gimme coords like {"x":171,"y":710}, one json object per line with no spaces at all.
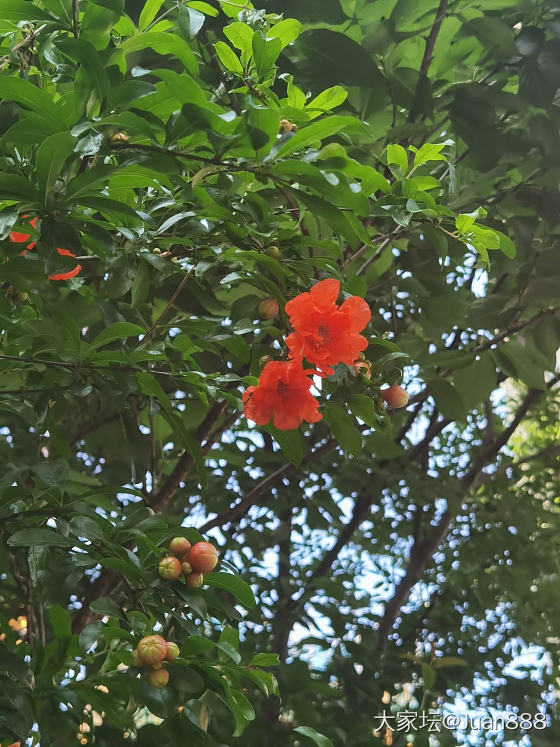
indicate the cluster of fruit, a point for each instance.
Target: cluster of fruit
{"x":152,"y":651}
{"x":191,"y":562}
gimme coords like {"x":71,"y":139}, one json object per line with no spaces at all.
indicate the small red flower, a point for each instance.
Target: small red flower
{"x":66,"y":275}
{"x":19,"y":238}
{"x":326,"y":334}
{"x":283,"y":395}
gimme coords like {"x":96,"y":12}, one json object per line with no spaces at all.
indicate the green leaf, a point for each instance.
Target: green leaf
{"x":116,"y":331}
{"x":263,"y":123}
{"x":343,"y":428}
{"x":162,"y":43}
{"x":396,"y":156}
{"x":506,"y":245}
{"x":265,"y":52}
{"x":241,"y":36}
{"x":494,"y":34}
{"x":141,"y":284}
{"x":228,"y":58}
{"x":105,"y":606}
{"x":448,"y":399}
{"x":430,"y":152}
{"x":50,"y":159}
{"x":60,"y":621}
{"x":476,"y":381}
{"x":31,"y":97}
{"x":241,"y":708}
{"x":315,"y":133}
{"x":286,"y":30}
{"x":14,"y":187}
{"x":190,"y":21}
{"x":327,"y":100}
{"x":363,"y":407}
{"x":90,"y":634}
{"x":332,"y":58}
{"x":290,"y":442}
{"x":13,"y":12}
{"x":39,"y":537}
{"x":235,"y":585}
{"x":319,"y":739}
{"x":265,"y":660}
{"x":87,"y":56}
{"x":149,"y":12}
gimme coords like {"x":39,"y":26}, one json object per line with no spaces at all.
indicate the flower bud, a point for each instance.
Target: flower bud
{"x":158,"y":678}
{"x":169,"y":568}
{"x":268,"y":309}
{"x":362,"y":367}
{"x":274,"y":252}
{"x":395,"y":396}
{"x":287,"y":126}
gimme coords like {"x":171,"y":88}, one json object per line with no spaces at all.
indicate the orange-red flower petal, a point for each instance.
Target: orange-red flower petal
{"x":282,"y":395}
{"x":19,"y":238}
{"x":326,"y":334}
{"x":66,"y":275}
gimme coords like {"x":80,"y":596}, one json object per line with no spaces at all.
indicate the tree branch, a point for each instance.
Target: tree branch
{"x":160,"y":499}
{"x":241,"y":509}
{"x":422,"y":552}
{"x":430,"y":44}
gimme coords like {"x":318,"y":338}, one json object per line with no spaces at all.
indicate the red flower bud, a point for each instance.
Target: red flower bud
{"x":203,"y":557}
{"x":395,"y":396}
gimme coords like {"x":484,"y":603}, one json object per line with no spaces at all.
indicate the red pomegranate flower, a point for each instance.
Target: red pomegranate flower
{"x":66,"y":275}
{"x":326,"y":334}
{"x":19,"y":238}
{"x":282,"y":394}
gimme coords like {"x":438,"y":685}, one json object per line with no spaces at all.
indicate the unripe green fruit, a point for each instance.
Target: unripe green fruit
{"x":152,"y":649}
{"x":274,"y":252}
{"x":395,"y":396}
{"x":169,"y":568}
{"x":194,"y":581}
{"x":268,"y":309}
{"x":158,"y":678}
{"x":203,"y":557}
{"x":186,"y":567}
{"x":136,"y":659}
{"x":179,"y":546}
{"x":21,"y":296}
{"x":172,"y":651}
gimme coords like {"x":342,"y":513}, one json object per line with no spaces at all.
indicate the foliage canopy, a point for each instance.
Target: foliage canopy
{"x":195,"y":159}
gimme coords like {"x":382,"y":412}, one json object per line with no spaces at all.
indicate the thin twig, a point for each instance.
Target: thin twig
{"x":168,"y":305}
{"x":75,"y":18}
{"x":430,"y":44}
